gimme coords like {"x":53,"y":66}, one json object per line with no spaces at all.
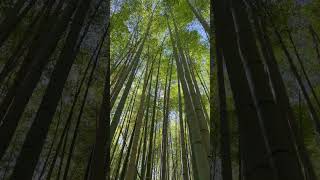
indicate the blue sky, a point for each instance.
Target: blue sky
{"x":196,"y":26}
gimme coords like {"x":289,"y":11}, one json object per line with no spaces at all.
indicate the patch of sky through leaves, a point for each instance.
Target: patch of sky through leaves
{"x":196,"y":26}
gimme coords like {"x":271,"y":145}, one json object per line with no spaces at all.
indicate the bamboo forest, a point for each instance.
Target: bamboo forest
{"x":160,"y":89}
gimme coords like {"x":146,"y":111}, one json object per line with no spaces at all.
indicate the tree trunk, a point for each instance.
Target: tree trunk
{"x":154,"y":112}
{"x":197,"y":141}
{"x":200,"y":114}
{"x":256,"y":166}
{"x":185,"y":173}
{"x":101,"y":153}
{"x":224,"y":122}
{"x":25,"y":90}
{"x":203,"y":22}
{"x":316,"y":41}
{"x":282,"y":98}
{"x":276,"y":128}
{"x":66,"y":128}
{"x":164,"y":159}
{"x":294,"y":70}
{"x":118,"y":112}
{"x":125,"y":164}
{"x":103,"y":114}
{"x":304,"y":70}
{"x":143,"y":159}
{"x":12,"y":18}
{"x":131,"y":171}
{"x":39,"y":129}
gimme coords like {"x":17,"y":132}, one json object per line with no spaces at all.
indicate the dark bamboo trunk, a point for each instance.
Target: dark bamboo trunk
{"x":224,"y":122}
{"x":101,"y":154}
{"x":281,"y":95}
{"x":316,"y":41}
{"x":66,"y":128}
{"x":314,"y":94}
{"x":12,"y":18}
{"x":275,"y":127}
{"x":25,"y":90}
{"x":42,"y":121}
{"x":90,"y":80}
{"x":249,"y":125}
{"x":294,"y":70}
